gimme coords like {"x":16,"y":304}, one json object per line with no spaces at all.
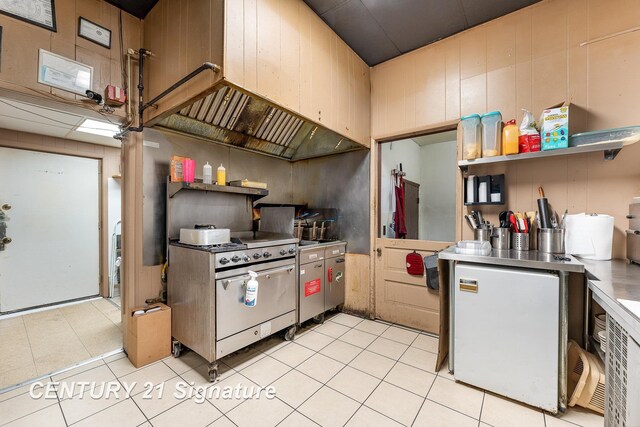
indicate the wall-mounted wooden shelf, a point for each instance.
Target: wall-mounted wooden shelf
{"x":254,"y":193}
{"x":610,"y":149}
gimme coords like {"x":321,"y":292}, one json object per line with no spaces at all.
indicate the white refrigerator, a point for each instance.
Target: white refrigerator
{"x":506,"y":329}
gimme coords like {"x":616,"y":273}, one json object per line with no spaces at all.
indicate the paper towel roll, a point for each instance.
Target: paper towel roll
{"x":589,"y":236}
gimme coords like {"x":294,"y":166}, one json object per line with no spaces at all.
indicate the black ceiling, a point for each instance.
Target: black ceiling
{"x":138,"y":8}
{"x":379,"y":30}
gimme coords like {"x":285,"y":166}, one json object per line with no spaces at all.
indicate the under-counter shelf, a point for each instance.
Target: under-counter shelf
{"x":254,"y":193}
{"x":610,"y":150}
{"x":595,"y":345}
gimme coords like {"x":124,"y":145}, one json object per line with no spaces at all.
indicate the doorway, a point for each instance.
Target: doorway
{"x":52,"y":216}
{"x":52,"y":313}
{"x":417,"y":205}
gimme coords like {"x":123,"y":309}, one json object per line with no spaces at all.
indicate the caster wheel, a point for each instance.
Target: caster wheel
{"x":213,"y":374}
{"x":319,"y":319}
{"x":339,"y":308}
{"x":176,"y":348}
{"x":290,"y":334}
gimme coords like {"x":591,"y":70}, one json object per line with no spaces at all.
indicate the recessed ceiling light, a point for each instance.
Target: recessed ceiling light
{"x":98,"y":128}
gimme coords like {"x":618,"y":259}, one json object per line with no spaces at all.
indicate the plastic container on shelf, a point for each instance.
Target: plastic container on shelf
{"x":491,"y":134}
{"x":628,"y":135}
{"x":471,"y":137}
{"x":510,"y":135}
{"x":473,"y":247}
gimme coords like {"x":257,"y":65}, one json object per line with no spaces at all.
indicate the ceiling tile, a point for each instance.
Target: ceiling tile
{"x":411,"y":24}
{"x":478,"y":11}
{"x":357,"y":27}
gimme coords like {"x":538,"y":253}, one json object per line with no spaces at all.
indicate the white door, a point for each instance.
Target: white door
{"x":53,"y":223}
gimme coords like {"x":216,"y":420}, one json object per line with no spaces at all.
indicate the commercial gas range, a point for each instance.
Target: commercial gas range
{"x":206,"y":291}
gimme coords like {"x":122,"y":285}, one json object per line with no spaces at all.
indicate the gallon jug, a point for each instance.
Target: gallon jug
{"x":510,"y":135}
{"x":251,"y":293}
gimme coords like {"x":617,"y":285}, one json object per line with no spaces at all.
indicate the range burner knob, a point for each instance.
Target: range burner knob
{"x":266,"y":254}
{"x":292,"y":250}
{"x":235,"y":258}
{"x":283,"y":252}
{"x":257,"y":255}
{"x":246,"y":258}
{"x":224,"y":261}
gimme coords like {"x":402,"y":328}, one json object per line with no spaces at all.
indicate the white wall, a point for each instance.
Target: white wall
{"x":438,"y":192}
{"x":406,"y":152}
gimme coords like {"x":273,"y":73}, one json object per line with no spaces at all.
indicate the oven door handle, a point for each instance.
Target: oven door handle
{"x":267,"y":273}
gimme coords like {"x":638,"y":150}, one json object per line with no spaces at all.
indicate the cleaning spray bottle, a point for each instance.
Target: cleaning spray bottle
{"x":251,"y":293}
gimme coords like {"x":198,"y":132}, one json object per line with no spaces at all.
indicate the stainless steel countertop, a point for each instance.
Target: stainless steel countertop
{"x":512,"y":258}
{"x":614,"y":280}
{"x":302,"y":248}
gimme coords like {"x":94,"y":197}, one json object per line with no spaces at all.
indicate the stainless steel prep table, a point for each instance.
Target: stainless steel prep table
{"x":612,"y":280}
{"x":532,"y":260}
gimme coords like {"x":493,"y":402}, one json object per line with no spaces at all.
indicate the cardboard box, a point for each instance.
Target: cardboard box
{"x":149,"y":334}
{"x":559,"y":122}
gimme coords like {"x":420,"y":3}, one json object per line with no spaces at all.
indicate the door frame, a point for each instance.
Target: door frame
{"x":35,"y":143}
{"x":376,"y":180}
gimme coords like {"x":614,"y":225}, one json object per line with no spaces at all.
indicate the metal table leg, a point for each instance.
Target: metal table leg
{"x":452,"y":289}
{"x":587,"y":316}
{"x":564,"y":337}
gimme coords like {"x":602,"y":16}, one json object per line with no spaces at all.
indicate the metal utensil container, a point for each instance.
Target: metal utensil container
{"x":551,"y":240}
{"x":520,"y":241}
{"x":483,"y":234}
{"x":501,"y":238}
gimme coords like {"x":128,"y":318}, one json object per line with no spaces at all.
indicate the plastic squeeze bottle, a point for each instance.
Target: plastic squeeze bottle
{"x":222,"y":175}
{"x":207,"y":174}
{"x":251,"y":293}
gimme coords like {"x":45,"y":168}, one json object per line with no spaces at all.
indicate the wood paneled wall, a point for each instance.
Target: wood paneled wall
{"x":110,"y":165}
{"x":531,"y":59}
{"x":283,"y":51}
{"x":21,"y":41}
{"x":182,"y":35}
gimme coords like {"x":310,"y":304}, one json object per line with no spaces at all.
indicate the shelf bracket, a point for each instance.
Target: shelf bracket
{"x":611,"y":154}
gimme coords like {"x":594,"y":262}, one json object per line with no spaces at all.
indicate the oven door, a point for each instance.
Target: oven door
{"x":276,"y":296}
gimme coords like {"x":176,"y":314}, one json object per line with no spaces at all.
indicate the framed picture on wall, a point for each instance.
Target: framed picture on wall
{"x":94,"y":33}
{"x":37,"y":12}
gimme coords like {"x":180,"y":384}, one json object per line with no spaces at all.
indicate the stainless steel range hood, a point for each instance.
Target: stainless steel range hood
{"x":232,"y":116}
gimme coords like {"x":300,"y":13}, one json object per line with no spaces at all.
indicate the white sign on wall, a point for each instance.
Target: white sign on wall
{"x":63,"y":73}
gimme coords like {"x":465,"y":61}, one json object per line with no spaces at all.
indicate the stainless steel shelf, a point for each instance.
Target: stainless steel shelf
{"x":610,"y":150}
{"x":254,"y":193}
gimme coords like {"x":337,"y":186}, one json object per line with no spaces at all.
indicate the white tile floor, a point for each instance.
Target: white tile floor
{"x":347,"y":372}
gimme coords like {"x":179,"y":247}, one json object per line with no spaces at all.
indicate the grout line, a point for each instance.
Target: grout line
{"x":484,"y":395}
{"x":139,"y":408}
{"x":33,"y":358}
{"x":452,"y":409}
{"x":64,"y":417}
{"x":424,"y":401}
